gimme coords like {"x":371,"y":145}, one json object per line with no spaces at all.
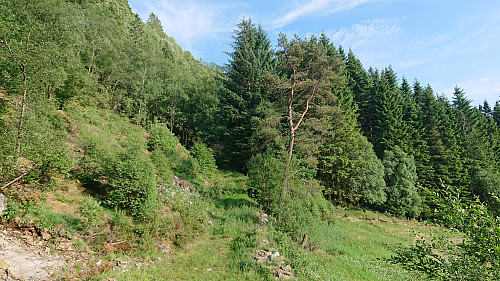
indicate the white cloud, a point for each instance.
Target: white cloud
{"x":190,"y":20}
{"x":366,"y":33}
{"x":315,"y":7}
{"x":478,"y":90}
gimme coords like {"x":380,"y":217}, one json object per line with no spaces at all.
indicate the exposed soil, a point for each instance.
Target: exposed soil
{"x":25,"y":255}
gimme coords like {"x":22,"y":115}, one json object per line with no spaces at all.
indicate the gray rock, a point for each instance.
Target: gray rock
{"x":3,"y":203}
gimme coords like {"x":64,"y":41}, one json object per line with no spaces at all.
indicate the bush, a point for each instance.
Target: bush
{"x":92,"y":212}
{"x":265,"y":174}
{"x":132,"y":185}
{"x":162,"y":138}
{"x":401,"y":178}
{"x":205,"y":158}
{"x":476,"y":256}
{"x":303,"y":205}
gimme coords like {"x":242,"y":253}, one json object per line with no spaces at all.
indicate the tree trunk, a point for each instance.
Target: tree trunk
{"x":21,"y":117}
{"x":91,"y":70}
{"x":290,"y":144}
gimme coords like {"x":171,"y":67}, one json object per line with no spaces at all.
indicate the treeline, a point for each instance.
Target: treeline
{"x":304,"y":116}
{"x":366,"y":136}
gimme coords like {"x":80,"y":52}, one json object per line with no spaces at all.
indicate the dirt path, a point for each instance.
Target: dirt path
{"x":25,"y":257}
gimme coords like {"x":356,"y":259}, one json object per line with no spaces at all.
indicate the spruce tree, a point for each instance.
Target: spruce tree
{"x":248,"y":73}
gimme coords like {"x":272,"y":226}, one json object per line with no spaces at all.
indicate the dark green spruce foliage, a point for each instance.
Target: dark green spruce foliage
{"x":337,"y":132}
{"x":246,"y":95}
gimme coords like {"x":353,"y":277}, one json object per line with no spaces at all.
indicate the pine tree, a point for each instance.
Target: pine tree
{"x":308,"y":76}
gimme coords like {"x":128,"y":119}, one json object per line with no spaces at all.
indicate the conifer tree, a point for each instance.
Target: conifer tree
{"x":308,"y":76}
{"x":248,"y":73}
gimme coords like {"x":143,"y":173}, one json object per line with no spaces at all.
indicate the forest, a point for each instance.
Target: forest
{"x":305,"y":122}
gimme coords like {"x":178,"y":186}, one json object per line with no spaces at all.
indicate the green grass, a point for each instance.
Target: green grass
{"x":206,"y":259}
{"x":355,"y":245}
{"x":213,"y":232}
{"x":357,"y":250}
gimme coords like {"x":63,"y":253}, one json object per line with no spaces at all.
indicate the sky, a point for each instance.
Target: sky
{"x":441,"y":43}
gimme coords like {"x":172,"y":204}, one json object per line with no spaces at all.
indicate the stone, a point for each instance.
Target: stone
{"x":3,"y":265}
{"x":44,"y":233}
{"x":3,"y":203}
{"x":64,"y":246}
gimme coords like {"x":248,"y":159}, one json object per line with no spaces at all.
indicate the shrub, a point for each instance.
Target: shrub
{"x":474,"y":257}
{"x":265,"y":174}
{"x":205,"y":158}
{"x":401,"y":179}
{"x":162,"y":138}
{"x":92,"y":212}
{"x":132,"y":185}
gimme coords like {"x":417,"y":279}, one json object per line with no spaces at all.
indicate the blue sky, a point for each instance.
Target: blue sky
{"x":442,"y":43}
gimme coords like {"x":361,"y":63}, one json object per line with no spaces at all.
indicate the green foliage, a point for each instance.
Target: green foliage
{"x":205,"y":158}
{"x":45,"y":143}
{"x":170,"y":154}
{"x":132,"y":185}
{"x":162,"y":138}
{"x":473,"y":256}
{"x":265,"y":174}
{"x":92,"y":212}
{"x":401,"y":179}
{"x":246,"y":95}
{"x":486,"y":185}
{"x":367,"y":181}
{"x":303,"y":206}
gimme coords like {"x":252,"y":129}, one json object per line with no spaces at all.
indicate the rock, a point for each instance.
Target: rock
{"x":109,"y":279}
{"x":3,"y":203}
{"x":44,"y":233}
{"x":64,"y":246}
{"x":3,"y":265}
{"x":109,"y":248}
{"x":284,"y":272}
{"x":273,"y":256}
{"x":261,"y":255}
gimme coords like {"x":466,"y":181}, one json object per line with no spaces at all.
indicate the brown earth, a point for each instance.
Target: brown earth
{"x":25,"y":255}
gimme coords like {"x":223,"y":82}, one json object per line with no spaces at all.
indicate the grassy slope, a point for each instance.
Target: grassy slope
{"x":361,"y":245}
{"x":352,"y":247}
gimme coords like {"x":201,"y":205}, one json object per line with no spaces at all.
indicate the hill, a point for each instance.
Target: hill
{"x":145,"y":163}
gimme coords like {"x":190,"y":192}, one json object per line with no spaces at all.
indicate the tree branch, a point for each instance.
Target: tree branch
{"x":306,"y":109}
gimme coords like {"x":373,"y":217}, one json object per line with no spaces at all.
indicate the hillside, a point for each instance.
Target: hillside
{"x":211,"y":232}
{"x":124,"y":157}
